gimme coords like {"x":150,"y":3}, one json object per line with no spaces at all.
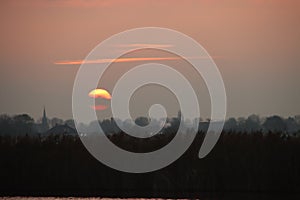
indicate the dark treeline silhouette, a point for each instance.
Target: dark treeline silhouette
{"x":24,"y":124}
{"x":59,"y":165}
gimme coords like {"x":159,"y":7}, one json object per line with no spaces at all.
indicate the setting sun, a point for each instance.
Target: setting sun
{"x":100,"y":93}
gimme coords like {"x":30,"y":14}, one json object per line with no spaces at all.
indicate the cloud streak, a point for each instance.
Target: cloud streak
{"x":118,"y":60}
{"x":124,"y":60}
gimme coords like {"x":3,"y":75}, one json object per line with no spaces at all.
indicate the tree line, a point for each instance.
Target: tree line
{"x":24,"y":124}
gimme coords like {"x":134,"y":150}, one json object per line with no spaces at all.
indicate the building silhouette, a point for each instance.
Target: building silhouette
{"x":61,"y":129}
{"x":44,"y":125}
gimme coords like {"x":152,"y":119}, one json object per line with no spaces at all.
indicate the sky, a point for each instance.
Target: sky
{"x":255,"y":44}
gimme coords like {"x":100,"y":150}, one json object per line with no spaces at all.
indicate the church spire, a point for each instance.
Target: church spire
{"x":44,"y":114}
{"x":45,"y":125}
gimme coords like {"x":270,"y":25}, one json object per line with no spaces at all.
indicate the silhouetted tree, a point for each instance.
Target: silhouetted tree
{"x":70,"y":122}
{"x":142,"y":121}
{"x":252,"y":123}
{"x":275,"y":124}
{"x":56,"y":121}
{"x":23,"y":124}
{"x":231,"y":124}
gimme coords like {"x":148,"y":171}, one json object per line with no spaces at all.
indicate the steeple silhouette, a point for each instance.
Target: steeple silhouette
{"x":45,"y":125}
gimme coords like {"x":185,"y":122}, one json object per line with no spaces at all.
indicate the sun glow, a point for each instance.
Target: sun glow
{"x":99,"y":107}
{"x":100,"y":93}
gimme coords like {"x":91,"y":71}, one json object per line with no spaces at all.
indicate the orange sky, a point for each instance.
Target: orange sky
{"x":258,"y":41}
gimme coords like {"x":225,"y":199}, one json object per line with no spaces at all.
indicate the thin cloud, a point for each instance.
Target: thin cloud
{"x":118,"y":60}
{"x":123,"y":60}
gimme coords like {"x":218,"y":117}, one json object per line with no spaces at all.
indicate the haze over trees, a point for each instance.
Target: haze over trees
{"x":24,"y":124}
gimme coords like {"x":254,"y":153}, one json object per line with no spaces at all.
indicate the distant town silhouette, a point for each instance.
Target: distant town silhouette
{"x":23,"y":124}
